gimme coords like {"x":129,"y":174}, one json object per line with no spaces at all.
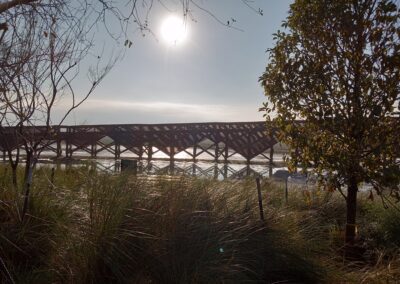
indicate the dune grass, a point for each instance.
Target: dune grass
{"x":92,"y":227}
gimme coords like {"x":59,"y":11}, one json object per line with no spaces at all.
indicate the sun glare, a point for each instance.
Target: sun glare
{"x":174,"y":30}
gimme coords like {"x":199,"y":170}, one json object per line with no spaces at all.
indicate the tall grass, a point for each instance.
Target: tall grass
{"x":91,"y":227}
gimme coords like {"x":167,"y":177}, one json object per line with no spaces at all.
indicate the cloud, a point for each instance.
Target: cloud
{"x":165,"y":107}
{"x":118,"y":111}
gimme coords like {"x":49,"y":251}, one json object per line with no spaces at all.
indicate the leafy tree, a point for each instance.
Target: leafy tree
{"x":332,"y":87}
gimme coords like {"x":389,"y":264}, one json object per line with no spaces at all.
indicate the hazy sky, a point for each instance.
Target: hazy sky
{"x":212,"y":76}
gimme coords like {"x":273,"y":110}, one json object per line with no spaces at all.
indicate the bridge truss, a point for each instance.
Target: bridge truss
{"x":221,"y":141}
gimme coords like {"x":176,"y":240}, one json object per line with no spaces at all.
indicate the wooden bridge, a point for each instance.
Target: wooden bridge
{"x":219,"y":140}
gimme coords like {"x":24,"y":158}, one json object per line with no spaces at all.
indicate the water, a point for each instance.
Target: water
{"x":183,"y":166}
{"x":204,"y":169}
{"x":160,"y":164}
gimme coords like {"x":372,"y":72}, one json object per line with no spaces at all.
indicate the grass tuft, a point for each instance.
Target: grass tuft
{"x":91,"y":227}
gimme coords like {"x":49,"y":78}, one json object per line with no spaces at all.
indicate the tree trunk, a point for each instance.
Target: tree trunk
{"x":27,"y":166}
{"x":14,"y":175}
{"x":27,"y":182}
{"x":14,"y":167}
{"x":351,"y":203}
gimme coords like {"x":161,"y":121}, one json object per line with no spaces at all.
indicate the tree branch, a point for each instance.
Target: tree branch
{"x":14,"y":3}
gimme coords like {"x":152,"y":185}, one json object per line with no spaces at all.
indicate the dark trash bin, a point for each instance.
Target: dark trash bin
{"x":129,"y":165}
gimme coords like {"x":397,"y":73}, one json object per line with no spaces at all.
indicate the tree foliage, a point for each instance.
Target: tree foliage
{"x":332,"y":87}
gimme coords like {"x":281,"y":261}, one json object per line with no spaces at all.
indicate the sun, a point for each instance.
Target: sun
{"x":174,"y":30}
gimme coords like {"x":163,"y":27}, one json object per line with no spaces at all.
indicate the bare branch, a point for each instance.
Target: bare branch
{"x":14,"y":3}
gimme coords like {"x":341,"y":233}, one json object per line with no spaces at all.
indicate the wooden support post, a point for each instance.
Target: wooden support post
{"x":216,"y":171}
{"x":260,"y":205}
{"x":93,"y":150}
{"x":117,"y":151}
{"x":68,"y":149}
{"x":226,"y":154}
{"x":171,"y":167}
{"x":194,"y":153}
{"x":225,"y":171}
{"x":141,"y":152}
{"x":271,"y":160}
{"x":149,"y":167}
{"x":149,"y":153}
{"x":171,"y":161}
{"x":135,"y":167}
{"x":59,"y":149}
{"x":172,"y":154}
{"x":216,"y":152}
{"x":248,"y":168}
{"x":117,"y":167}
{"x":193,"y":169}
{"x":68,"y":146}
